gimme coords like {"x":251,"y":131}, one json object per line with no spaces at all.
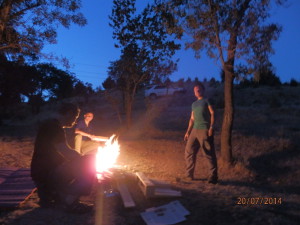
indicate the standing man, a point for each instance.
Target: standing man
{"x":85,"y":140}
{"x":200,"y":135}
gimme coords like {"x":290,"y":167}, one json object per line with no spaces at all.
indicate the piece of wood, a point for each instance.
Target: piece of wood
{"x":145,"y":180}
{"x":146,"y":185}
{"x":166,"y":192}
{"x":154,"y":188}
{"x":125,"y":194}
{"x":160,"y":183}
{"x":99,"y":204}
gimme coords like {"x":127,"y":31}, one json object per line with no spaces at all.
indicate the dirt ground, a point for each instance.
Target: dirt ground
{"x":262,"y":187}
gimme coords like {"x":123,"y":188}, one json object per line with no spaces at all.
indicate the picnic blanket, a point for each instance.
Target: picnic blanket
{"x":16,"y":186}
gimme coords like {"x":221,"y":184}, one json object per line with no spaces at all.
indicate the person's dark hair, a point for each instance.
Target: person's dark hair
{"x":64,"y":108}
{"x":199,"y":84}
{"x":86,"y":112}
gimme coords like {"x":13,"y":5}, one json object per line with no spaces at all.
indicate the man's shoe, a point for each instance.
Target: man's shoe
{"x":213,"y":180}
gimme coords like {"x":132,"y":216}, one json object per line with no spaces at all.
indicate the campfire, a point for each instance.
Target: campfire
{"x":106,"y":157}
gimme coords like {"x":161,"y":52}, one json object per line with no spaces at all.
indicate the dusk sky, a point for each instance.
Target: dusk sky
{"x":91,"y":48}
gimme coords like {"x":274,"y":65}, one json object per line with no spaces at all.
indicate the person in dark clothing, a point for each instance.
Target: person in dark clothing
{"x":61,"y":174}
{"x":200,"y":135}
{"x":86,"y":141}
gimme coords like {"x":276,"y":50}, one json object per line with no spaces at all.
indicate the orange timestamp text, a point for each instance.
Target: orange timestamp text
{"x":258,"y":201}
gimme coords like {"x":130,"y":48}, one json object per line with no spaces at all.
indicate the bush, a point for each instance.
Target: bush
{"x":293,"y":83}
{"x":269,"y":78}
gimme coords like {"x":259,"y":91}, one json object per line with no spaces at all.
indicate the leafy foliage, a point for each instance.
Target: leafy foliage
{"x":38,"y":83}
{"x":293,"y":83}
{"x":25,"y":25}
{"x":268,"y":77}
{"x":109,"y":83}
{"x":146,"y":48}
{"x":212,"y":26}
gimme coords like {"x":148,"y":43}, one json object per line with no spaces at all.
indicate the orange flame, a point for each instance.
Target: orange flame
{"x":107,"y":156}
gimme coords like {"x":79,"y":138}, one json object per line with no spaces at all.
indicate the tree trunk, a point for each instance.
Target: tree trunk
{"x":128,"y":108}
{"x":226,"y":148}
{"x":5,"y":9}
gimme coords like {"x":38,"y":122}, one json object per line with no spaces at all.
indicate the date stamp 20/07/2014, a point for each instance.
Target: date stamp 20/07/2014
{"x":258,"y":201}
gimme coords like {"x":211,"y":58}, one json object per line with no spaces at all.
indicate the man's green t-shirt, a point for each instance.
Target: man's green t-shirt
{"x":201,"y":114}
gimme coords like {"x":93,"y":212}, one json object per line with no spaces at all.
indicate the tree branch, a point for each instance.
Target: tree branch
{"x":217,"y":31}
{"x":22,"y":12}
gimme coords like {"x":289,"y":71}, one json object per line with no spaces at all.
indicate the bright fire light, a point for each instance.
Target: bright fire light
{"x":107,"y":156}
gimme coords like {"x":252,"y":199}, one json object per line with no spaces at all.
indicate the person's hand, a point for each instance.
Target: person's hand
{"x":210,"y":131}
{"x":186,"y":136}
{"x":92,"y":136}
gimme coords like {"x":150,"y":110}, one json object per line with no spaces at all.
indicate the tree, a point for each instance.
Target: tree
{"x":293,"y":83}
{"x":83,"y":90}
{"x":58,"y":83}
{"x":37,"y":83}
{"x":234,"y":33}
{"x":18,"y":80}
{"x":146,"y":49}
{"x":180,"y":82}
{"x":9,"y":85}
{"x":168,"y":82}
{"x":213,"y":82}
{"x":188,"y":80}
{"x":109,"y":83}
{"x":25,"y":25}
{"x":266,"y":76}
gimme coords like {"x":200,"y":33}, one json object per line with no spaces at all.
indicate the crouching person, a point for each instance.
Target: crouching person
{"x":85,"y":140}
{"x":61,"y":174}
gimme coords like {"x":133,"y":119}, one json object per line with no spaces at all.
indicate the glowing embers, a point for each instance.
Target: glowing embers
{"x":107,"y":156}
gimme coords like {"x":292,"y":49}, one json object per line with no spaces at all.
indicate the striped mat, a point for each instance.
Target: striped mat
{"x":16,"y":186}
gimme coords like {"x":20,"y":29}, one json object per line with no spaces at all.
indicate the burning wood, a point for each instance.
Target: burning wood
{"x":107,"y":156}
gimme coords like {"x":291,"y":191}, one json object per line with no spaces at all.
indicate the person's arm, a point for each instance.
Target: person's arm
{"x":190,"y":127}
{"x":91,"y":136}
{"x":78,"y":131}
{"x":212,"y":120}
{"x":99,"y":138}
{"x":65,"y":152}
{"x":61,"y":147}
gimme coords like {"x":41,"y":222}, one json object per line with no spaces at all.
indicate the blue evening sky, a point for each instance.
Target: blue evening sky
{"x":91,"y":48}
